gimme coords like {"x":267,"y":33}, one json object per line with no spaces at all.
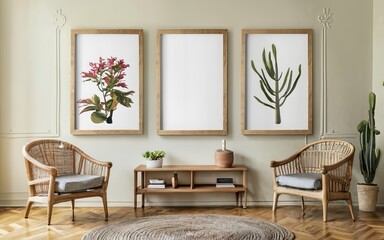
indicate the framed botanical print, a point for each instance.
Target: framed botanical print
{"x":107,"y":81}
{"x":276,"y":81}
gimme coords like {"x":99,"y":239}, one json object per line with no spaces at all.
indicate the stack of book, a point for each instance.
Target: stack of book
{"x":156,"y":183}
{"x":224,"y":182}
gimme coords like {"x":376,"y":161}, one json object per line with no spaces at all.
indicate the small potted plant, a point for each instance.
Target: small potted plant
{"x":154,"y":159}
{"x":369,"y":156}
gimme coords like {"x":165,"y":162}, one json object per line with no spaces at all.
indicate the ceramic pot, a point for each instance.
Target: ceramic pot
{"x":367,"y":197}
{"x":154,"y":163}
{"x":223,"y":158}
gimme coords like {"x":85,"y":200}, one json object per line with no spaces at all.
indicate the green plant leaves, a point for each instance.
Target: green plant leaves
{"x":276,"y":92}
{"x":122,"y":98}
{"x":361,"y":126}
{"x":157,"y":154}
{"x":98,"y":117}
{"x":369,"y":155}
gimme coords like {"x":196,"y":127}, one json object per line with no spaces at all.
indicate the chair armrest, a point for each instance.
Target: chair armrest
{"x":338,"y":175}
{"x":279,"y":163}
{"x":285,"y":166}
{"x":97,"y":162}
{"x":91,"y":166}
{"x":48,"y":169}
{"x":327,"y":168}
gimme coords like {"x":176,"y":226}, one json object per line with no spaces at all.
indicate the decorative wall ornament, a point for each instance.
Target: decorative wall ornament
{"x":326,"y":18}
{"x":60,"y":19}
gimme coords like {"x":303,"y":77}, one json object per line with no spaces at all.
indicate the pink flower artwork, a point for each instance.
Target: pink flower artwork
{"x":108,"y":75}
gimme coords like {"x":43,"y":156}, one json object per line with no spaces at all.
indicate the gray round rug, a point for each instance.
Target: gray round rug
{"x":195,"y":226}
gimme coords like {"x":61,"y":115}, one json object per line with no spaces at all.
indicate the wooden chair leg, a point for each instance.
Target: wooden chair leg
{"x":28,"y":208}
{"x":104,"y":197}
{"x":49,"y":212}
{"x":349,"y":201}
{"x":275,"y":199}
{"x":302,"y":206}
{"x":325,"y":210}
{"x":73,"y":209}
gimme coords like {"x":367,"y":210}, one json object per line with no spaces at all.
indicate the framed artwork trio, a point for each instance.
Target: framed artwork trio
{"x":191,"y":81}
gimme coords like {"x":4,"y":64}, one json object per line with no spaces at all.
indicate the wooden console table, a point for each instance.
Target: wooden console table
{"x":192,"y":187}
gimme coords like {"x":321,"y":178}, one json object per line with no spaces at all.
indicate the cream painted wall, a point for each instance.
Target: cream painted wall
{"x":28,"y":84}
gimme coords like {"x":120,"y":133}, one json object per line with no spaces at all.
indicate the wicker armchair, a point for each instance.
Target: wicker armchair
{"x":332,"y":160}
{"x":47,"y":161}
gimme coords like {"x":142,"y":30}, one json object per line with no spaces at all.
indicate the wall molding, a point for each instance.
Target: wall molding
{"x":59,"y":22}
{"x":326,"y":20}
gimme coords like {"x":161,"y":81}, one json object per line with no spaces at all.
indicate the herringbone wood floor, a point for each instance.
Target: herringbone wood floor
{"x":310,"y":226}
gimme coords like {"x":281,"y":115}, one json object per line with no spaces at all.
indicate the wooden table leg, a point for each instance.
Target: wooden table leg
{"x":245,"y":199}
{"x":135,"y":190}
{"x":142,"y":186}
{"x":245,"y":179}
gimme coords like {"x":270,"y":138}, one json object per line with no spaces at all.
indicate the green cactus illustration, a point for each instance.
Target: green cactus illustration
{"x":275,"y":93}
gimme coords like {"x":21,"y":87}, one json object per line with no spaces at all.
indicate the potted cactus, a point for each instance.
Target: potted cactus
{"x":154,"y":159}
{"x":369,"y":157}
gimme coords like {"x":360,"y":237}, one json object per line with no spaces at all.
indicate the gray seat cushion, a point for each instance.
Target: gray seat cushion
{"x":300,"y":180}
{"x":77,"y":183}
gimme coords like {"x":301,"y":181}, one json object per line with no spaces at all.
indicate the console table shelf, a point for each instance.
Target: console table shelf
{"x":192,"y":187}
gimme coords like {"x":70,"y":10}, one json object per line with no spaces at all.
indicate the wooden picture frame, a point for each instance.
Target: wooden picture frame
{"x":192,"y":81}
{"x":118,"y":106}
{"x":290,"y":110}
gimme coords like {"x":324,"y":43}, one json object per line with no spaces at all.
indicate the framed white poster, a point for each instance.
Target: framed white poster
{"x":192,"y":82}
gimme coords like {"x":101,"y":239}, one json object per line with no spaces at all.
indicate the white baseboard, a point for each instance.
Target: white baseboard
{"x":20,"y":200}
{"x":13,"y":199}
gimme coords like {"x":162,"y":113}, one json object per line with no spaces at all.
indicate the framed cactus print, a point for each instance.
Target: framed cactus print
{"x":276,"y":81}
{"x":192,"y":81}
{"x":107,"y":81}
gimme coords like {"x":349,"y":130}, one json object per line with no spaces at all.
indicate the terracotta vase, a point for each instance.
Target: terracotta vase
{"x":367,"y":197}
{"x":223,"y":158}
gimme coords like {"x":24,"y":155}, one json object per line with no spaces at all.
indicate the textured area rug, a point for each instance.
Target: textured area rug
{"x":196,"y":226}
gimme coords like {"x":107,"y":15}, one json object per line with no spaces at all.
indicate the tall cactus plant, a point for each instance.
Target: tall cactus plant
{"x":369,"y":155}
{"x":275,"y":92}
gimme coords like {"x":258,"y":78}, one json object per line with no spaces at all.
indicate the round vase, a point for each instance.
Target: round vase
{"x":223,"y":158}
